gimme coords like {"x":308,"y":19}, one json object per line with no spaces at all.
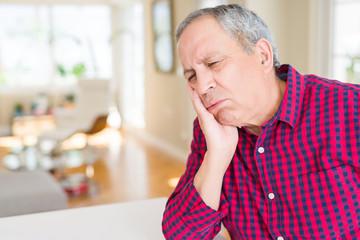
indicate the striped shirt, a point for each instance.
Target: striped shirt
{"x":300,"y":179}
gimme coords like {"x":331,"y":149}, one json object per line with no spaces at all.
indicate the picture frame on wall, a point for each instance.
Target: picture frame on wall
{"x":163,"y":39}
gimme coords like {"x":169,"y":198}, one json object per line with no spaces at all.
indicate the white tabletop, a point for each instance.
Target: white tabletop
{"x":136,"y":220}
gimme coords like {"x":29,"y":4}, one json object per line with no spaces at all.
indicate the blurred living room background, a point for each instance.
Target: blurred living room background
{"x":92,"y":91}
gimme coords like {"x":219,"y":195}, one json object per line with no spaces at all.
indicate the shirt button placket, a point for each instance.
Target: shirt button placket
{"x":271,"y":195}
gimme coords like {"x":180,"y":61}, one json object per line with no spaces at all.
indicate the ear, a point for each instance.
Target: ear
{"x":265,"y":52}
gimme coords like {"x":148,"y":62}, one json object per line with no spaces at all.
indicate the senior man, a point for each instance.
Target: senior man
{"x":275,"y":154}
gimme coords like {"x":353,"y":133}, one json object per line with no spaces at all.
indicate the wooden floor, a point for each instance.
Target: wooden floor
{"x":130,"y":170}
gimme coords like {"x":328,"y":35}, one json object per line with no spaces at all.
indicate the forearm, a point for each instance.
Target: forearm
{"x":209,"y":179}
{"x":187,"y":216}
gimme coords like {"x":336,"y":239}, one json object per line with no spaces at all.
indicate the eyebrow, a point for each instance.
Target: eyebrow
{"x":204,"y":59}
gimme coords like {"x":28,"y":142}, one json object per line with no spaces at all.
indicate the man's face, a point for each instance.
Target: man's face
{"x":226,"y":78}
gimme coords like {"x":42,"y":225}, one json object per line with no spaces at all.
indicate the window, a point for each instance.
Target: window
{"x":346,"y":41}
{"x":130,"y":36}
{"x":53,"y":45}
{"x":210,"y":3}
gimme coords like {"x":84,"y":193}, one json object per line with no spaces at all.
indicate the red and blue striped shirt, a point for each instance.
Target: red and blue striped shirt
{"x":300,"y":179}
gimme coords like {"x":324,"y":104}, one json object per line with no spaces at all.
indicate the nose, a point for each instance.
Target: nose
{"x":204,"y":82}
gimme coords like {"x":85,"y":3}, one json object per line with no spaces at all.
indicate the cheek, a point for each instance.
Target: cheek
{"x":242,"y":95}
{"x":239,"y":82}
{"x":227,"y":81}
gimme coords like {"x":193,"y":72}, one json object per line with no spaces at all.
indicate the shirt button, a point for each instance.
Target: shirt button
{"x":261,"y":150}
{"x":271,"y":196}
{"x":280,"y":238}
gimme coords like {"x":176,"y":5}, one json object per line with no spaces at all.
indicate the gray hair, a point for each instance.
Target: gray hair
{"x":241,"y":24}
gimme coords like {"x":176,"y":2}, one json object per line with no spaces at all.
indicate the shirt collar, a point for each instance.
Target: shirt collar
{"x":290,"y":107}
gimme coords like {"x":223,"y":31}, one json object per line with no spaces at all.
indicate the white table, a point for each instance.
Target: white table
{"x":136,"y":220}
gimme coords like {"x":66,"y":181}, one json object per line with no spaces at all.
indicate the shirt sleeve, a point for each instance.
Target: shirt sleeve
{"x":186,"y":215}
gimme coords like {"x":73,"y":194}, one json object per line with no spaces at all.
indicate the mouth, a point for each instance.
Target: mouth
{"x":214,"y":105}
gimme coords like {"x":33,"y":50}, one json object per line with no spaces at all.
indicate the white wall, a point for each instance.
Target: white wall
{"x":169,"y":113}
{"x":290,"y":22}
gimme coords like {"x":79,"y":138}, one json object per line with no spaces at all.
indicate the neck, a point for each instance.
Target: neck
{"x":270,"y":106}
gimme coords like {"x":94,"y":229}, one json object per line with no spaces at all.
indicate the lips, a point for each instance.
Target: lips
{"x":210,"y":104}
{"x":213,"y":104}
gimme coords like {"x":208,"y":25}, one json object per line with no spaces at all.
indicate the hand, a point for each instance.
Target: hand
{"x":221,"y":139}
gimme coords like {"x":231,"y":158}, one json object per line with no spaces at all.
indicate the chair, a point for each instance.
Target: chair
{"x":65,"y":143}
{"x":91,"y":107}
{"x":98,"y":125}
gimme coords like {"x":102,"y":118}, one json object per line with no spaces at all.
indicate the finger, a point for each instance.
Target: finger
{"x":196,"y":100}
{"x":198,"y":104}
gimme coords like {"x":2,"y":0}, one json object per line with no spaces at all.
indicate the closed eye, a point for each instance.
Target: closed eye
{"x":212,"y":63}
{"x":192,"y":77}
{"x":189,"y":74}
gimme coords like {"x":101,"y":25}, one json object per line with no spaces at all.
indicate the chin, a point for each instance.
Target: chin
{"x":225,"y":119}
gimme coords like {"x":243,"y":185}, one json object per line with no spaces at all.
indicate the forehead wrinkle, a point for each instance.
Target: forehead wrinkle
{"x":214,"y":55}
